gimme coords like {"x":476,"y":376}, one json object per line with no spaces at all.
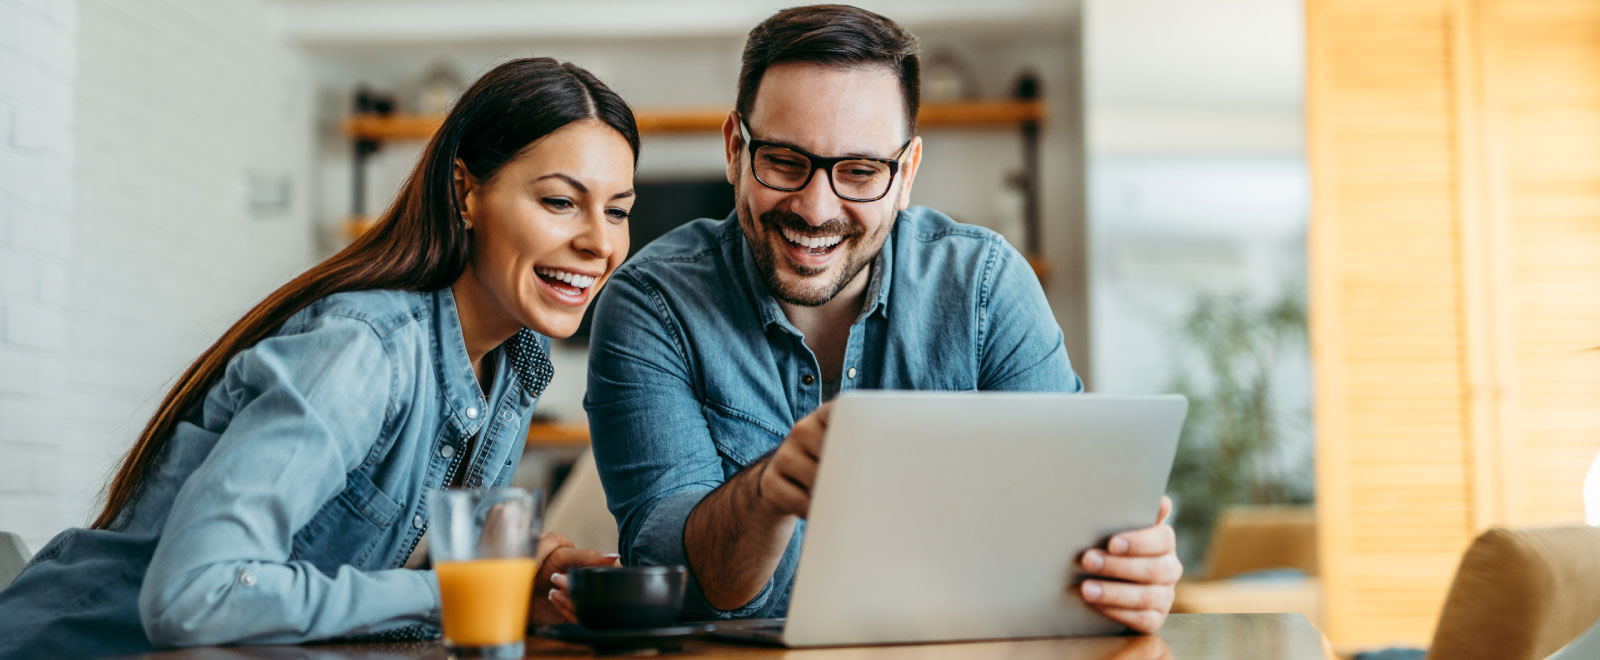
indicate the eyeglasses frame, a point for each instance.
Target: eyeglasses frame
{"x":820,"y":162}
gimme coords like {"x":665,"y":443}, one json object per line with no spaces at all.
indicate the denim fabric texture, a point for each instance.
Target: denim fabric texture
{"x":695,"y":372}
{"x":286,"y":502}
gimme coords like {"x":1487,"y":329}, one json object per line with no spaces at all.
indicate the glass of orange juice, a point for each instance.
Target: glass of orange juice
{"x":481,"y":542}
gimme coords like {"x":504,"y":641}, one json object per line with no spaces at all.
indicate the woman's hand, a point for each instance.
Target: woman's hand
{"x":557,"y":555}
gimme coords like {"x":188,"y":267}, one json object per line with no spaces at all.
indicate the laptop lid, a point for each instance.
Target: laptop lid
{"x":949,"y":516}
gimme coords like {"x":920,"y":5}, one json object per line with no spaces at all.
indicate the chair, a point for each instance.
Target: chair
{"x":13,"y":556}
{"x":1522,"y":595}
{"x":1254,"y":538}
{"x":1586,"y":647}
{"x":578,"y":510}
{"x":1258,"y":539}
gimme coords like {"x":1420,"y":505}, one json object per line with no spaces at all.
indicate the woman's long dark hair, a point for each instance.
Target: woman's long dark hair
{"x":419,"y":244}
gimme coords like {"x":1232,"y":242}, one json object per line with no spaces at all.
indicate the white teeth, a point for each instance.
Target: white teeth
{"x":576,"y":280}
{"x":818,"y":242}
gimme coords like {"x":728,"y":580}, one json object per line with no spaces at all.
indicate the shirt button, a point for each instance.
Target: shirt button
{"x":447,"y":451}
{"x":472,"y":412}
{"x":808,"y":379}
{"x":247,"y":578}
{"x":851,"y":374}
{"x":507,"y":416}
{"x":418,"y":522}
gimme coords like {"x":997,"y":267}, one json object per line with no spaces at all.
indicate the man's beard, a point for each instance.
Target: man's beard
{"x":805,"y":294}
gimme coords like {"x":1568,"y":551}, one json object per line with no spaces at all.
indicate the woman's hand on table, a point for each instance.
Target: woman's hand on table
{"x":557,"y":554}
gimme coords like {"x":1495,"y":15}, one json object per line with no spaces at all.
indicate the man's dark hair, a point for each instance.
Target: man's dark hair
{"x":833,"y":35}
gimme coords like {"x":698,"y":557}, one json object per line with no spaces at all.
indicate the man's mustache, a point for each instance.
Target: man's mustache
{"x":793,"y":222}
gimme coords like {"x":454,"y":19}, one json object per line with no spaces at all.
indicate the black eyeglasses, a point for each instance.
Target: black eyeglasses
{"x":853,"y":178}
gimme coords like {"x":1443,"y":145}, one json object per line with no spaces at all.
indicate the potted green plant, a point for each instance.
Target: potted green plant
{"x":1231,"y":448}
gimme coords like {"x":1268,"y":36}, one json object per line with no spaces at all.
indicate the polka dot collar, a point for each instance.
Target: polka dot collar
{"x":529,"y":362}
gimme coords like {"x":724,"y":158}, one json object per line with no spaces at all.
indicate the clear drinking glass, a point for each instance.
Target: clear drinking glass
{"x":482,"y":542}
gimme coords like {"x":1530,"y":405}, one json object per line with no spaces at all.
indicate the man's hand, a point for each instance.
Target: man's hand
{"x":1141,"y":569}
{"x":787,"y":476}
{"x":556,"y":554}
{"x":736,"y":535}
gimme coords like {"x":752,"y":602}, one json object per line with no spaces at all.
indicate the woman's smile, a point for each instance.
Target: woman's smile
{"x":565,"y":286}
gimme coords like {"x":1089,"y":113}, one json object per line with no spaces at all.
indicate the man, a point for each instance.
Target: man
{"x":715,"y":348}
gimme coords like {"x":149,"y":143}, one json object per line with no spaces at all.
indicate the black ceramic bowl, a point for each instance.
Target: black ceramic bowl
{"x":627,"y":596}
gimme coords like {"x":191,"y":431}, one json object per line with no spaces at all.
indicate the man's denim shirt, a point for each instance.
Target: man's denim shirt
{"x":285,"y":504}
{"x":695,"y":372}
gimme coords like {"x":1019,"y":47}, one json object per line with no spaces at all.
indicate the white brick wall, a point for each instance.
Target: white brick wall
{"x":126,"y":130}
{"x":37,"y":71}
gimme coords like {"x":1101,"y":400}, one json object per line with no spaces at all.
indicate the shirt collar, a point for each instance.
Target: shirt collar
{"x":530,"y":364}
{"x":767,"y":307}
{"x":882,"y":275}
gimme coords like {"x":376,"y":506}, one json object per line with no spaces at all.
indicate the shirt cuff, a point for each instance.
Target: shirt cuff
{"x":431,"y":585}
{"x":659,"y":541}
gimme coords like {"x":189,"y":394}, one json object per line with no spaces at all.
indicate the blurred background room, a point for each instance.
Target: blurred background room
{"x":1362,"y":236}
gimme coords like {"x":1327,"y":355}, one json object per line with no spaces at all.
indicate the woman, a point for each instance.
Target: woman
{"x":279,"y":493}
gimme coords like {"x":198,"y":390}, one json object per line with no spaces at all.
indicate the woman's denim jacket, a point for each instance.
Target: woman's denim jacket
{"x":285,"y":504}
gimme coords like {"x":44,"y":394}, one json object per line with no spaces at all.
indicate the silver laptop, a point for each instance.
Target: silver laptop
{"x":959,"y":516}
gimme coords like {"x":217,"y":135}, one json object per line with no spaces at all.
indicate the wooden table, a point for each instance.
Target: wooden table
{"x":1268,"y":636}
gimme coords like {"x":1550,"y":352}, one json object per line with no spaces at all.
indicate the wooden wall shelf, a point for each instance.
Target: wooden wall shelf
{"x":659,"y":121}
{"x":558,"y":435}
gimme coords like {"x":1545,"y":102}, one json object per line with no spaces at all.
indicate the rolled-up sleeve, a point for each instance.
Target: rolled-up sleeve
{"x":308,"y":406}
{"x":651,"y":442}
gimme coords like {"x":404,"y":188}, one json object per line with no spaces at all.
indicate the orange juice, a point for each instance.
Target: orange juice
{"x":486,"y":600}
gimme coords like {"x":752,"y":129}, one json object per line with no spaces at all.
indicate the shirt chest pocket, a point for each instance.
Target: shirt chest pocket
{"x":741,"y":437}
{"x":348,"y":528}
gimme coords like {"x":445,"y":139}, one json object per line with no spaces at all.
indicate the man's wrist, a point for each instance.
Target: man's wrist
{"x":756,"y":500}
{"x":739,"y":502}
{"x":761,"y":473}
{"x":725,"y":530}
{"x":741,"y":498}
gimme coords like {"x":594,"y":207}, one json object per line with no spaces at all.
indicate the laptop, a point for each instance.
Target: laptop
{"x":959,"y":516}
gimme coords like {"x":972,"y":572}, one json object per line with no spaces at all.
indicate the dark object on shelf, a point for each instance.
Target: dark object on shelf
{"x":627,"y":640}
{"x":372,"y":102}
{"x":662,"y":206}
{"x":1028,"y":88}
{"x":368,"y":102}
{"x":627,"y":597}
